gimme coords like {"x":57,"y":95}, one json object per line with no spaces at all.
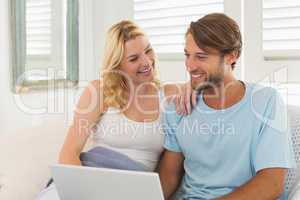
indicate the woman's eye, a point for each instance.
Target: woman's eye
{"x":186,"y":55}
{"x":133,"y":60}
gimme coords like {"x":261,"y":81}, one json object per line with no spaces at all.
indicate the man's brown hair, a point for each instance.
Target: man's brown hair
{"x":219,"y":32}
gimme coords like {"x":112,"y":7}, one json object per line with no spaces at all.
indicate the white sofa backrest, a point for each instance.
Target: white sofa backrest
{"x":293,"y":174}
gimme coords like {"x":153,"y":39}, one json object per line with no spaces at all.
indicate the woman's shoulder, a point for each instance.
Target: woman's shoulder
{"x":95,"y":88}
{"x":97,"y":83}
{"x":92,"y":97}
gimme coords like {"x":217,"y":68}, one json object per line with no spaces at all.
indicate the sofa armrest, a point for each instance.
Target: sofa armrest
{"x":25,"y":159}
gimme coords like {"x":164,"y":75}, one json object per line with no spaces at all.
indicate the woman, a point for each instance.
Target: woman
{"x":121,"y":112}
{"x":128,"y":93}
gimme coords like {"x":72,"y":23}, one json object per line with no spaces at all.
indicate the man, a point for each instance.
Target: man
{"x":235,"y":143}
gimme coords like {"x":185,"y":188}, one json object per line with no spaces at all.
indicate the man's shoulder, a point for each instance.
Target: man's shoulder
{"x":170,"y":114}
{"x":262,"y":97}
{"x":261,"y":93}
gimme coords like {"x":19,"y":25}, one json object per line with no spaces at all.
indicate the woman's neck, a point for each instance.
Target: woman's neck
{"x":144,"y":88}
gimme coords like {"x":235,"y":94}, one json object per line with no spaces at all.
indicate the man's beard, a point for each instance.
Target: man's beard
{"x":213,"y":81}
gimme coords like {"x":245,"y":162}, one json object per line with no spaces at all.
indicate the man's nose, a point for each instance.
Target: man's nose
{"x":190,"y":65}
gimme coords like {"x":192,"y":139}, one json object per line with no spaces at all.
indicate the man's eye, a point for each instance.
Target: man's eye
{"x":201,"y":57}
{"x":148,"y":51}
{"x":186,"y":55}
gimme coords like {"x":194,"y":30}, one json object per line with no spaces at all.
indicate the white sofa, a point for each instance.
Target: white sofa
{"x":25,"y":159}
{"x":293,"y":177}
{"x":27,"y":154}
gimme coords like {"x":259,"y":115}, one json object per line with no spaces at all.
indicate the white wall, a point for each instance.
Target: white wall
{"x":4,"y":62}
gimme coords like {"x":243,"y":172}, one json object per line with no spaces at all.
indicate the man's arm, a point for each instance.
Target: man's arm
{"x":268,"y":184}
{"x":170,"y":172}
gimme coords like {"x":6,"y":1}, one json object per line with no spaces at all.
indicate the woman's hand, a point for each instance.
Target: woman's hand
{"x":186,"y":99}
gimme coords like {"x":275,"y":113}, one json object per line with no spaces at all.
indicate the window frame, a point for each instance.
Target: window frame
{"x":273,"y":55}
{"x":19,"y":83}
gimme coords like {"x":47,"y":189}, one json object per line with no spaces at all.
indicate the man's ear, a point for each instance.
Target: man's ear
{"x":231,"y":58}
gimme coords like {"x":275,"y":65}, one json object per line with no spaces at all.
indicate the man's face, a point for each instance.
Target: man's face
{"x":206,"y":69}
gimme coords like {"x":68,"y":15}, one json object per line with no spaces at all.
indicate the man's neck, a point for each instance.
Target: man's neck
{"x":229,"y":92}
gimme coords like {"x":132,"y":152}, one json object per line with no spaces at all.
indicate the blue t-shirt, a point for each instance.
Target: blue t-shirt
{"x":223,"y":149}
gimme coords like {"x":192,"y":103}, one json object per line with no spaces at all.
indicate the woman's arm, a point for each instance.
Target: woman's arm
{"x":86,"y":115}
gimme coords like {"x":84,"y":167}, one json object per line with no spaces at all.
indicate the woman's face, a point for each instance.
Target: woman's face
{"x":138,"y":60}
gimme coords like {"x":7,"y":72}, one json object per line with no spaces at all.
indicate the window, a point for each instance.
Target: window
{"x":44,"y":42}
{"x":45,"y":36}
{"x":38,"y":27}
{"x":166,"y":21}
{"x":281,"y":27}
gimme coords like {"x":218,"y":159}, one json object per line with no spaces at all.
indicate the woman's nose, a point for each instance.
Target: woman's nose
{"x":145,"y":60}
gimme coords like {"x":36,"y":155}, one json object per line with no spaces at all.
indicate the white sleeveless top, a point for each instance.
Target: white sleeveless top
{"x":140,"y":141}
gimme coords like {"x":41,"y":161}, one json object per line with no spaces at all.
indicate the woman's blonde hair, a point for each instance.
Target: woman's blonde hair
{"x":114,"y":82}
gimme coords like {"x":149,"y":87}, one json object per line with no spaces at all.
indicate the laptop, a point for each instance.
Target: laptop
{"x":88,"y":183}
